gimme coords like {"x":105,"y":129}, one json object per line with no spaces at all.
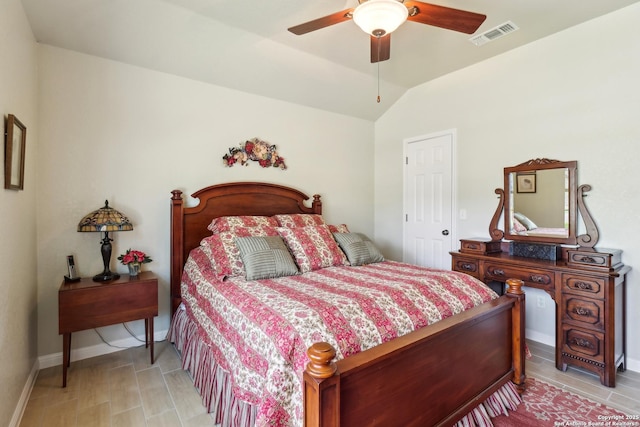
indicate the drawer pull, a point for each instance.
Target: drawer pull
{"x":588,"y":259}
{"x":580,"y":342}
{"x":468,"y":267}
{"x":498,"y":272}
{"x":472,"y":246}
{"x":581,"y":311}
{"x":583,"y":285}
{"x":538,"y":279}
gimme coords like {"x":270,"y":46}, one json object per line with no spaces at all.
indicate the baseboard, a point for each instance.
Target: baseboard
{"x":55,"y":359}
{"x":24,"y":396}
{"x":549,"y":340}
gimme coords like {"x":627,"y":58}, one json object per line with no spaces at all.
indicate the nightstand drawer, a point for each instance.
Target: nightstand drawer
{"x":534,"y":278}
{"x":103,"y":305}
{"x":584,"y":312}
{"x":593,"y":287}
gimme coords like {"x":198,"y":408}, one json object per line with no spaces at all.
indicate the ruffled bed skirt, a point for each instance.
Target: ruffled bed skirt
{"x":214,"y":385}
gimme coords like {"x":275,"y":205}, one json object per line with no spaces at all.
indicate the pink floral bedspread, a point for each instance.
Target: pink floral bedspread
{"x":259,"y":331}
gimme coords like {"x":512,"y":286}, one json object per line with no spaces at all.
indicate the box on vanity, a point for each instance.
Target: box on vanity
{"x":600,"y":259}
{"x":547,"y":251}
{"x":480,"y":245}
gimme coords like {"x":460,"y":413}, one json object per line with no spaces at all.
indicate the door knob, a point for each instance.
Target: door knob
{"x":445,"y":232}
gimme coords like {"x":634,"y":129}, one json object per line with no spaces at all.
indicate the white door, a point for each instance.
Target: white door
{"x":428,"y":200}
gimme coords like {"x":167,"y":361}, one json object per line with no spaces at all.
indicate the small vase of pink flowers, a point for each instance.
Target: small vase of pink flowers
{"x":133,"y":260}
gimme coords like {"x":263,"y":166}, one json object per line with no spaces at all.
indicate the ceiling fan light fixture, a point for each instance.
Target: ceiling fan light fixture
{"x":380,"y":17}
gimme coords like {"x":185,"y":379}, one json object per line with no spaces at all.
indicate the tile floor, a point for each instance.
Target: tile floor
{"x":123,"y":389}
{"x":117,"y":390}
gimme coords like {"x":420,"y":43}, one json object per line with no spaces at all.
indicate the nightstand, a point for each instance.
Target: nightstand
{"x":87,"y":304}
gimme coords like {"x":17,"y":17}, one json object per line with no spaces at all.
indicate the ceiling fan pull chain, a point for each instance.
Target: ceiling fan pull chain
{"x":378,"y":83}
{"x":378,"y":63}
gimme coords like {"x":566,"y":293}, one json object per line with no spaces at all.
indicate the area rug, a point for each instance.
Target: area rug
{"x":544,"y":405}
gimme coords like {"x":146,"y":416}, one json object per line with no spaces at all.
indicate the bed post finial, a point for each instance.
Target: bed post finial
{"x":321,"y":364}
{"x":321,"y":387}
{"x":316,"y":205}
{"x":515,"y":287}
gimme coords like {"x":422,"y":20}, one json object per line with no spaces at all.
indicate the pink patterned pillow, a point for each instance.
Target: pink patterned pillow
{"x":224,"y":253}
{"x":299,"y":220}
{"x":205,"y":249}
{"x":228,"y":223}
{"x":340,"y":228}
{"x":518,"y":227}
{"x":313,"y":247}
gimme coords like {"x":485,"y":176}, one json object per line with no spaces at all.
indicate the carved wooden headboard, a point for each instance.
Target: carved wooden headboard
{"x":189,"y":224}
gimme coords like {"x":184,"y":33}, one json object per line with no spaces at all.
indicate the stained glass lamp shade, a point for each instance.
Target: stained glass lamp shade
{"x":105,"y":219}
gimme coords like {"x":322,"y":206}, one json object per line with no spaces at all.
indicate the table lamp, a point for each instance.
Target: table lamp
{"x":105,"y":219}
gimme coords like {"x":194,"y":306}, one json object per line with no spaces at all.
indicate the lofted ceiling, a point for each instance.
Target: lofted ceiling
{"x":245,"y":45}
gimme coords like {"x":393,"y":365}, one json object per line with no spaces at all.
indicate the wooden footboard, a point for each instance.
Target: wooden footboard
{"x":431,"y":377}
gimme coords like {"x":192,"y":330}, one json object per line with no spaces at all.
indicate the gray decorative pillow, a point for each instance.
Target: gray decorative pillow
{"x":358,"y":248}
{"x":265,"y":257}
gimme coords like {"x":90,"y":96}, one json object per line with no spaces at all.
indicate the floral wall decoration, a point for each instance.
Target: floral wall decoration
{"x":257,"y":150}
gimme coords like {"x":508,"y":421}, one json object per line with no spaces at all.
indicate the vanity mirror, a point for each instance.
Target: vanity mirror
{"x":541,"y":202}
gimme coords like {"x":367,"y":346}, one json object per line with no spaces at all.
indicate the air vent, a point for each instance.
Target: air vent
{"x":494,"y":33}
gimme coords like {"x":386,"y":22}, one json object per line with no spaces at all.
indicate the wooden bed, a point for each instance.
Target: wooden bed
{"x":422,"y":378}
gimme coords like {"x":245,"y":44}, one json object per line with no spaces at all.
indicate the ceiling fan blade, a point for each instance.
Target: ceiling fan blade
{"x":325,"y":21}
{"x":444,"y":17}
{"x":380,"y":48}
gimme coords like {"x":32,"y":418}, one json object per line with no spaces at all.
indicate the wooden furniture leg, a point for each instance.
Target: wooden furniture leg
{"x":66,"y":356}
{"x":150,"y":337}
{"x":515,"y":292}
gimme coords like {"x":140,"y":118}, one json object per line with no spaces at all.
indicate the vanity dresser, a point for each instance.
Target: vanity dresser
{"x":542,"y":203}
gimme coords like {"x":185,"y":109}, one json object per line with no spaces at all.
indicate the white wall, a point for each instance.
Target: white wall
{"x":571,"y":96}
{"x":18,"y":261}
{"x":130,"y":135}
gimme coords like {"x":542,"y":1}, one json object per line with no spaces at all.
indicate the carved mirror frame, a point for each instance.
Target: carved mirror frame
{"x":575,"y":205}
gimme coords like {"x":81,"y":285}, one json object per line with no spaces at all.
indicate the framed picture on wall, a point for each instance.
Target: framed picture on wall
{"x":526,"y":183}
{"x":14,"y":149}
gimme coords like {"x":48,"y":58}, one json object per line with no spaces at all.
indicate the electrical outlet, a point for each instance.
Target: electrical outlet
{"x":541,"y":303}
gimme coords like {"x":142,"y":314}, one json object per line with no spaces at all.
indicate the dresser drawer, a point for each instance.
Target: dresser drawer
{"x":593,"y":287}
{"x":583,"y":311}
{"x":582,"y":343}
{"x":534,"y":278}
{"x":465,"y":265}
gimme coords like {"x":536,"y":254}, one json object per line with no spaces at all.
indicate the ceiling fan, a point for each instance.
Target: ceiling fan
{"x":381,"y":17}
